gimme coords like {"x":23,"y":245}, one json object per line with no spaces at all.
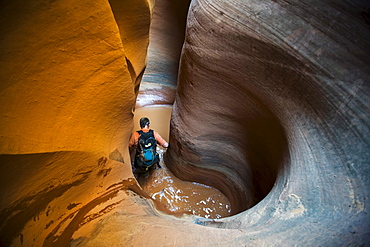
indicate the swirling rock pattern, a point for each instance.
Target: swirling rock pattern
{"x":272,"y":109}
{"x":273,"y":102}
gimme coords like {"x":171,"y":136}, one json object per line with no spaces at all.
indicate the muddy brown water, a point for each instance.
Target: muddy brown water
{"x":177,"y":195}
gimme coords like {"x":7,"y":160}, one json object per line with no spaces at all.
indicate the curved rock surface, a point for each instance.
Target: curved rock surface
{"x":273,"y":103}
{"x":167,"y":29}
{"x":68,"y":71}
{"x":65,"y":83}
{"x":272,"y":109}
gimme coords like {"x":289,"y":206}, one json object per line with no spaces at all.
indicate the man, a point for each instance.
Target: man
{"x":145,"y":141}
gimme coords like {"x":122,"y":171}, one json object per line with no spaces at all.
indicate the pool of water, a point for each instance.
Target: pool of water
{"x":177,"y":195}
{"x":183,"y":196}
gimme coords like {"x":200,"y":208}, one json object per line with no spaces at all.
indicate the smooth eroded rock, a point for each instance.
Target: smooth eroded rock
{"x":273,"y":104}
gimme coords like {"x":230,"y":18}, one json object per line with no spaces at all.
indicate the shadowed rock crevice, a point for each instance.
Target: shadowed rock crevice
{"x":131,"y":70}
{"x":133,"y":21}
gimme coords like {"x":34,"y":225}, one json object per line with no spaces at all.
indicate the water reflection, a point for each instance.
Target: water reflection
{"x":182,"y":196}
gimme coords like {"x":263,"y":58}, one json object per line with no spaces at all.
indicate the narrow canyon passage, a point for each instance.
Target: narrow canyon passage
{"x":155,"y":98}
{"x":271,"y":104}
{"x":178,"y":197}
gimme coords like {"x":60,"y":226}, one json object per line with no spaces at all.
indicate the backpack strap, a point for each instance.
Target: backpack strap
{"x":142,"y":132}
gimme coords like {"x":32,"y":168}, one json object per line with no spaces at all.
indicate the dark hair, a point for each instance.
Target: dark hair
{"x":144,"y":121}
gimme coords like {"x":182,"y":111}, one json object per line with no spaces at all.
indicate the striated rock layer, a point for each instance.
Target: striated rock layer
{"x":272,"y":109}
{"x":273,"y":103}
{"x":166,"y":35}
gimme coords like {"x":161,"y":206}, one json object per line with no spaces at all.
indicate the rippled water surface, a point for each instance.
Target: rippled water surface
{"x":183,"y":196}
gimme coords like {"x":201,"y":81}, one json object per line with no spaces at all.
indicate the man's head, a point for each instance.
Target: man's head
{"x":144,"y":121}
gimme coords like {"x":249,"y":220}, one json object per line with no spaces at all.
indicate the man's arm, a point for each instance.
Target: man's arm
{"x":134,"y":139}
{"x":160,"y":140}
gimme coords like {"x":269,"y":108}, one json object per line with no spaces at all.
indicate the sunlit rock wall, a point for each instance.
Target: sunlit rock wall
{"x":68,"y":72}
{"x":276,"y":96}
{"x":65,"y":83}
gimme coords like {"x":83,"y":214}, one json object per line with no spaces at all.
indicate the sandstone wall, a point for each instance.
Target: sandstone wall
{"x":272,"y":109}
{"x":167,"y":30}
{"x":275,"y":96}
{"x":65,"y":83}
{"x":68,"y":73}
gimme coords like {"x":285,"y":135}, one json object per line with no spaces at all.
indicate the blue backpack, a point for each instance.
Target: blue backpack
{"x":147,"y":149}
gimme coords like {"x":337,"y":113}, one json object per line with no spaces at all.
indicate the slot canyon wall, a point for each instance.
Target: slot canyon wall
{"x":65,"y":83}
{"x":167,"y":30}
{"x":275,"y":96}
{"x":69,"y":76}
{"x":272,"y":108}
